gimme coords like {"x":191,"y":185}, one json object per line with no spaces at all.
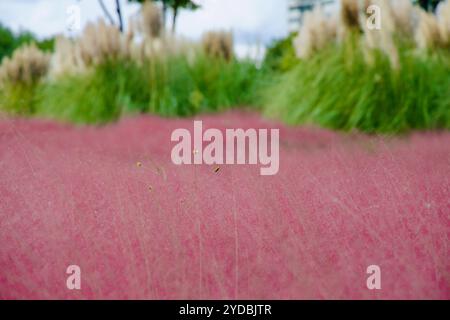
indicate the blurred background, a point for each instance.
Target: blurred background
{"x":333,"y":63}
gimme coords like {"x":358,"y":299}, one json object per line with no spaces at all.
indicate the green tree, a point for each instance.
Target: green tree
{"x":9,"y":41}
{"x":175,"y":6}
{"x":429,"y":4}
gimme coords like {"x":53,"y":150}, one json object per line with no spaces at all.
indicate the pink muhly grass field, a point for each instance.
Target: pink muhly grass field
{"x":110,"y":200}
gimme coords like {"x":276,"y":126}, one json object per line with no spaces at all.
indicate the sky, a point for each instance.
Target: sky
{"x":254,"y":22}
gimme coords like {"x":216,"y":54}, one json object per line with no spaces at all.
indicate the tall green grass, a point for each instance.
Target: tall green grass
{"x":167,"y":86}
{"x":335,"y":88}
{"x":97,"y":96}
{"x":18,"y":99}
{"x":338,"y":89}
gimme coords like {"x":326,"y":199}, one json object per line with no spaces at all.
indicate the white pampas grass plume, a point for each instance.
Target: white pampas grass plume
{"x":66,"y":58}
{"x":350,"y":14}
{"x":316,"y":32}
{"x":218,"y":44}
{"x":428,"y":35}
{"x":27,"y":65}
{"x":101,"y":42}
{"x":443,"y":17}
{"x":405,"y":17}
{"x":150,"y":20}
{"x":384,"y":38}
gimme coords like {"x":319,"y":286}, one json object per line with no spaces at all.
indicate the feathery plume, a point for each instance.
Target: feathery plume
{"x":218,"y":44}
{"x":150,"y":21}
{"x":316,"y":32}
{"x":27,"y":66}
{"x":443,"y":17}
{"x":428,"y":35}
{"x":349,"y":14}
{"x":101,"y":42}
{"x":383,"y":39}
{"x":65,"y":59}
{"x":405,"y":19}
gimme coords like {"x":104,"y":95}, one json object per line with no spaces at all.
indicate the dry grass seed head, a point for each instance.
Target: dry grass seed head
{"x":349,"y":14}
{"x":405,"y":17}
{"x":316,"y":33}
{"x":101,"y":42}
{"x":218,"y":44}
{"x":382,"y":39}
{"x":66,"y":58}
{"x":150,"y":21}
{"x":428,"y":35}
{"x":27,"y":65}
{"x":443,"y":17}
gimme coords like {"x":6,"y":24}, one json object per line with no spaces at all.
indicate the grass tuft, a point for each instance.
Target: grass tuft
{"x":172,"y":86}
{"x":338,"y":89}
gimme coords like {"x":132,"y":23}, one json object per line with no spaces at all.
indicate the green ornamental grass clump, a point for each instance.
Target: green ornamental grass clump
{"x":338,"y":89}
{"x":389,"y":80}
{"x":104,"y":74}
{"x":20,"y":76}
{"x":168,"y":87}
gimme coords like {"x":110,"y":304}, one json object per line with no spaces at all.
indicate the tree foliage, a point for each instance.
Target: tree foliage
{"x":9,"y":41}
{"x":429,"y":4}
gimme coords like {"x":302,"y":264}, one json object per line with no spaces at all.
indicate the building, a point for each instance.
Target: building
{"x":298,"y":7}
